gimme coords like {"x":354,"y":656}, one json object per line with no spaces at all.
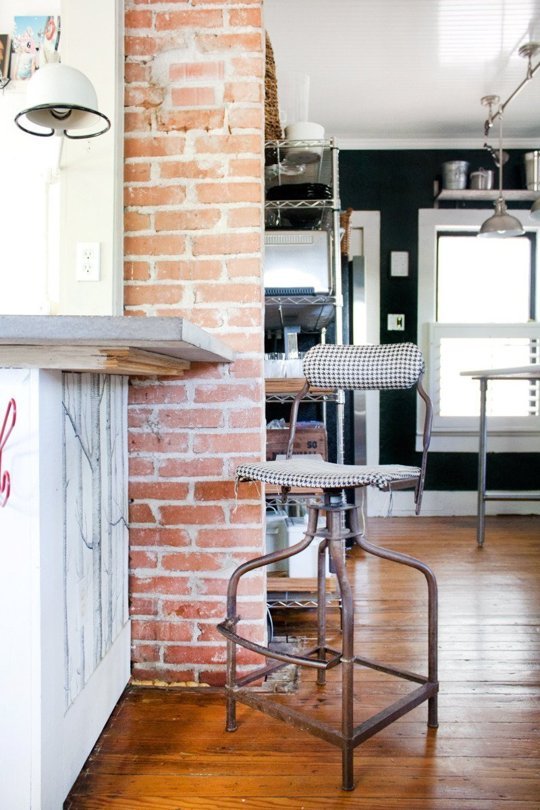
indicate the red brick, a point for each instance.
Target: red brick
{"x":158,"y":491}
{"x":137,"y":19}
{"x":244,"y":118}
{"x":236,"y":293}
{"x":229,"y":192}
{"x":190,"y":467}
{"x":155,"y":294}
{"x":200,"y":654}
{"x":214,"y":490}
{"x":136,"y":72}
{"x":186,"y":120}
{"x":133,"y":221}
{"x":246,"y":418}
{"x":191,"y":515}
{"x":159,"y":537}
{"x":248,"y":317}
{"x":136,"y":172}
{"x":190,"y":169}
{"x":245,"y":167}
{"x":194,"y":610}
{"x":250,"y":392}
{"x":224,"y":537}
{"x":140,"y":467}
{"x":168,"y":585}
{"x":143,"y":606}
{"x":245,"y":17}
{"x":136,"y":271}
{"x":157,"y":394}
{"x":245,"y":217}
{"x":149,"y":443}
{"x":147,"y":98}
{"x":229,"y":144}
{"x":217,"y":43}
{"x":197,"y":219}
{"x":193,"y":96}
{"x":236,"y":92}
{"x":199,"y":270}
{"x":154,"y":195}
{"x":137,"y":121}
{"x":189,"y":71}
{"x":140,"y":513}
{"x":144,"y":652}
{"x":175,"y":20}
{"x":142,"y":559}
{"x":226,"y":243}
{"x":228,"y":443}
{"x":141,"y":46}
{"x":252,"y":67}
{"x":162,"y":145}
{"x":161,"y":631}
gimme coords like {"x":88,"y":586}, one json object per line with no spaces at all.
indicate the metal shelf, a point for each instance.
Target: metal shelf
{"x":472,"y":194}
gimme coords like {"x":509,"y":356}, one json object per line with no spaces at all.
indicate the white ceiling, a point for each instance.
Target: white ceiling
{"x":408,"y":73}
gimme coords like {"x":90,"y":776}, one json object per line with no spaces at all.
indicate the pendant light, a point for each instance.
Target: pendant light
{"x":501,"y":224}
{"x":61,"y":100}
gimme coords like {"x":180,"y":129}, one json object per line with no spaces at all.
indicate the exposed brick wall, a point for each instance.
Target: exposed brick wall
{"x":194,"y":96}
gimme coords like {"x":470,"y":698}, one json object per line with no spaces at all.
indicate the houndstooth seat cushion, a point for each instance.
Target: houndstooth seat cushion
{"x":315,"y":473}
{"x":381,"y":366}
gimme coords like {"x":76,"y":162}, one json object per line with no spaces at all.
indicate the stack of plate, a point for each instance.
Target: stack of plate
{"x":300,"y":217}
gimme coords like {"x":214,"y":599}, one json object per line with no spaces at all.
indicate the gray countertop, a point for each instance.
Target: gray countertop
{"x":107,"y":343}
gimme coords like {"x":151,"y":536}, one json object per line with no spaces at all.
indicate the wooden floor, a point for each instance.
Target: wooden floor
{"x":167,"y":749}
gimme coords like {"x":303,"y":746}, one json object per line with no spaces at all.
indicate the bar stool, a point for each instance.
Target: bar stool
{"x":373,"y":367}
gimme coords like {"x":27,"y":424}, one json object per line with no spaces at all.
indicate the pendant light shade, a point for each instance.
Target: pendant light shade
{"x":61,"y":100}
{"x":535,"y":210}
{"x":501,"y":224}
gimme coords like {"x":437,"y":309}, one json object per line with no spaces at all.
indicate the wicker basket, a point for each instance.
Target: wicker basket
{"x":272,"y":125}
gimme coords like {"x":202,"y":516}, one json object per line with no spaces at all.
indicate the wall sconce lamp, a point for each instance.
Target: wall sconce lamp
{"x":61,"y":100}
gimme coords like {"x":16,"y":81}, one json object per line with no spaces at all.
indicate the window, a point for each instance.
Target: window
{"x":478,"y":308}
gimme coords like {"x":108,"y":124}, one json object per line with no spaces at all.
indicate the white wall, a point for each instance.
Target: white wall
{"x":44,"y":213}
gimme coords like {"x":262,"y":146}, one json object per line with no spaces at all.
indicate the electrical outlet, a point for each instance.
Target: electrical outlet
{"x":396,"y":323}
{"x":88,"y":261}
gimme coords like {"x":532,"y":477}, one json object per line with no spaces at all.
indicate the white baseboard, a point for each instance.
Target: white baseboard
{"x":441,"y":503}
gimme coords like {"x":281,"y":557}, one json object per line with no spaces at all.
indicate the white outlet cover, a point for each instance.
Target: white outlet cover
{"x":396,"y":323}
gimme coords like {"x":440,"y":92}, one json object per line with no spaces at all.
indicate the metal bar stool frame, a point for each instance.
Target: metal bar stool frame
{"x":384,"y":370}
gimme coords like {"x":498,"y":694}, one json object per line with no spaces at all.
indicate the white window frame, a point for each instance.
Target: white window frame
{"x":460,"y":434}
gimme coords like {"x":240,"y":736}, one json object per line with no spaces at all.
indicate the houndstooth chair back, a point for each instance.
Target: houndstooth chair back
{"x":366,"y":367}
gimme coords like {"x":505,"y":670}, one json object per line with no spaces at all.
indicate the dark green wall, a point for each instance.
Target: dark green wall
{"x":398,"y":183}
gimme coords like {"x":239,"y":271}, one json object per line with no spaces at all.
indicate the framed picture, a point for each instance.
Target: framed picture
{"x":35,"y":43}
{"x":5,"y":53}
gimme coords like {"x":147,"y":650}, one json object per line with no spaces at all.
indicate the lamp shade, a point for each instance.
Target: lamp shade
{"x":535,"y":210}
{"x":61,"y":99}
{"x":501,"y":224}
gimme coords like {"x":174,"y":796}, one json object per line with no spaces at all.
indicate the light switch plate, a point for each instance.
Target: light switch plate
{"x":399,"y":263}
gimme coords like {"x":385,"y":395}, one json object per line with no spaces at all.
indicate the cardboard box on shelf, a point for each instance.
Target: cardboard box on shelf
{"x":310,"y":439}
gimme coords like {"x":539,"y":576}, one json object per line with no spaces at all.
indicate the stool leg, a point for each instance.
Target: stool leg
{"x":231,"y":724}
{"x":412,"y":562}
{"x":337,"y":551}
{"x":321,"y":608}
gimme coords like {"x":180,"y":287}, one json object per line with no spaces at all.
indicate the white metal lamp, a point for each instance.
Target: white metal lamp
{"x":61,"y":100}
{"x":501,"y":224}
{"x":535,"y":210}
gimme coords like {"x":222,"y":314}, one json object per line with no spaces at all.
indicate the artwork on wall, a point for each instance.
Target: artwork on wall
{"x":35,"y":43}
{"x":5,"y":53}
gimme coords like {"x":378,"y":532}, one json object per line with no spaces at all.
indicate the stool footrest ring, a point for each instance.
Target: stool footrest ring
{"x":331,"y":657}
